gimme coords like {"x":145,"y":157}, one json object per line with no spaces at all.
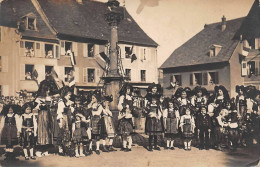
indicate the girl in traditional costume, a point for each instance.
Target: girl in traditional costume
{"x":108,"y":131}
{"x":10,"y":129}
{"x":64,"y":107}
{"x":29,"y":130}
{"x":187,"y":125}
{"x":171,"y":119}
{"x":96,"y":113}
{"x":125,"y":125}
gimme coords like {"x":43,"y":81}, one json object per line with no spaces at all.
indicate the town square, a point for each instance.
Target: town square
{"x":129,"y":83}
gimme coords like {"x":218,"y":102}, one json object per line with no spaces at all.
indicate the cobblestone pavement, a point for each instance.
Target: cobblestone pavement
{"x":139,"y":156}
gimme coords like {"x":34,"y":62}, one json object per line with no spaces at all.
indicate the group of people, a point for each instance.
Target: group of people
{"x":211,"y":120}
{"x":74,"y":124}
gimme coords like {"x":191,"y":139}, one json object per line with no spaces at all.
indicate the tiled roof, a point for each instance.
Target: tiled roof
{"x":196,"y":50}
{"x":11,"y":12}
{"x":250,"y":27}
{"x":87,"y":20}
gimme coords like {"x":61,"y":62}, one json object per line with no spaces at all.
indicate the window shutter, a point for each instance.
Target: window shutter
{"x":171,"y":78}
{"x":75,"y":48}
{"x":62,"y":47}
{"x":57,"y":52}
{"x":5,"y":64}
{"x":259,"y":68}
{"x":244,"y":68}
{"x":216,"y":78}
{"x":180,"y":83}
{"x":22,"y":71}
{"x":84,"y":75}
{"x":122,"y":48}
{"x":96,"y":50}
{"x":22,"y":48}
{"x":85,"y":50}
{"x":38,"y":50}
{"x":200,"y":79}
{"x":76,"y":73}
{"x":256,"y":68}
{"x":97,"y":78}
{"x":42,"y":50}
{"x":191,"y":79}
{"x":205,"y":78}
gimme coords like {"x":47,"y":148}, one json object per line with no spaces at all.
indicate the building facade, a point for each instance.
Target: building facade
{"x":38,"y":36}
{"x":221,"y":54}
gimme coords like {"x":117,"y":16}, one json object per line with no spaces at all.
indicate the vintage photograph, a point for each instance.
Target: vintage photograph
{"x":129,"y":83}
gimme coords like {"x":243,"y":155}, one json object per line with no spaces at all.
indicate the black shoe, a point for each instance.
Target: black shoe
{"x":157,"y":148}
{"x":166,"y":148}
{"x":26,"y":158}
{"x":172,"y":148}
{"x":128,"y":150}
{"x":33,"y":157}
{"x":97,"y":152}
{"x":200,"y":148}
{"x":207,"y":148}
{"x":104,"y":149}
{"x":111,"y":149}
{"x":150,"y":149}
{"x":122,"y":149}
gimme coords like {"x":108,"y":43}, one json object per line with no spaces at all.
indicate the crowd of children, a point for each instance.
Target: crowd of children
{"x":75,"y":124}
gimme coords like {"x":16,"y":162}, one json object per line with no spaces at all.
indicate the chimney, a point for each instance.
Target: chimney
{"x":79,"y":1}
{"x":223,"y":24}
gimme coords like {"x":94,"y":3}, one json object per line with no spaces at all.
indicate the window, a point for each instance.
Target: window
{"x":128,"y":73}
{"x":29,"y":48}
{"x":252,"y":43}
{"x":252,"y":68}
{"x":127,"y":52}
{"x":143,"y":75}
{"x":91,"y":75}
{"x":213,"y":78}
{"x":176,"y":79}
{"x":214,"y":50}
{"x":38,"y":46}
{"x":68,"y":47}
{"x":198,"y":78}
{"x":49,"y":51}
{"x":0,"y":63}
{"x":144,"y":54}
{"x":31,"y":23}
{"x":68,"y":73}
{"x":91,"y":50}
{"x":28,"y":71}
{"x":48,"y":69}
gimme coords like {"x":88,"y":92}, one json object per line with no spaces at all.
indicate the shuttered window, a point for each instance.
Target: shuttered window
{"x":191,"y":79}
{"x":205,"y":78}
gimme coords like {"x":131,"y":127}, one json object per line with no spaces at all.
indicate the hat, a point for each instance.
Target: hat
{"x":202,"y":89}
{"x":251,"y":92}
{"x":124,"y":88}
{"x":224,"y":90}
{"x":108,"y":98}
{"x":242,"y":88}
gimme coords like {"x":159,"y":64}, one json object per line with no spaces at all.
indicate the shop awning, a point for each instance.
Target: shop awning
{"x":29,"y":85}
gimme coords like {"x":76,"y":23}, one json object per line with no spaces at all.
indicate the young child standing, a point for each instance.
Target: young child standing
{"x":11,"y":127}
{"x":29,"y":129}
{"x":204,"y":128}
{"x":78,"y":131}
{"x":153,"y":125}
{"x":187,"y":125}
{"x":108,"y":131}
{"x":171,"y":119}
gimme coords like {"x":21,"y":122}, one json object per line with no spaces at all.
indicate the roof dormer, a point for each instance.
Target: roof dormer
{"x":214,"y":50}
{"x":29,"y":22}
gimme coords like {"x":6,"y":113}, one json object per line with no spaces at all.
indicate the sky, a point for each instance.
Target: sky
{"x":171,"y":23}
